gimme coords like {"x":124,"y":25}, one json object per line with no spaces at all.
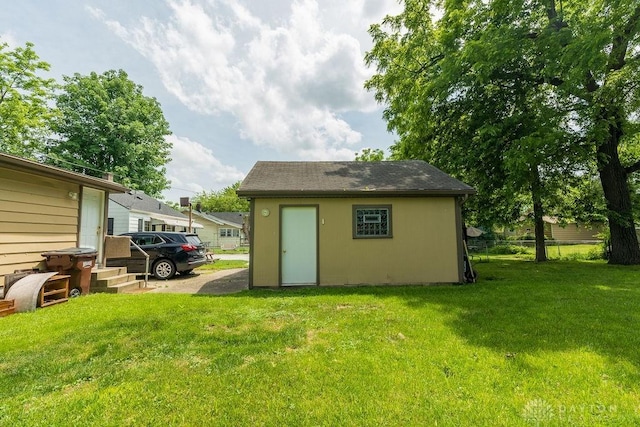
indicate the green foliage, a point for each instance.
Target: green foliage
{"x":106,"y":124}
{"x":223,"y":264}
{"x":225,"y":200}
{"x":581,"y":201}
{"x":370,"y":155}
{"x":517,"y":99}
{"x":526,"y":337}
{"x":508,"y":250}
{"x":24,"y":94}
{"x":525,"y":236}
{"x":596,"y":254}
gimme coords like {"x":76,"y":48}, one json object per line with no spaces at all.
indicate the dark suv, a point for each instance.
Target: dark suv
{"x":169,"y":252}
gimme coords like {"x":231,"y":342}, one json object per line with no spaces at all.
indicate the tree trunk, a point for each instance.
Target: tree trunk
{"x":538,"y":212}
{"x":624,"y":241}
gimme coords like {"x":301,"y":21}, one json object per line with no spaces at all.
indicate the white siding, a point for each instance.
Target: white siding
{"x":134,"y":218}
{"x":209,"y":233}
{"x":120,"y":216}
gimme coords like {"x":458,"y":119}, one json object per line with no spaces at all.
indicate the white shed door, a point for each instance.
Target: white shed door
{"x":299,"y":245}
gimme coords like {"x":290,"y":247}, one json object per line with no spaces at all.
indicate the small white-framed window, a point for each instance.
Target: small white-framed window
{"x":372,"y":221}
{"x":229,"y":232}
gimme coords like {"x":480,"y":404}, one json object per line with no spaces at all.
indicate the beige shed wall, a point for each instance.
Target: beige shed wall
{"x":423,"y":249}
{"x":36,"y":215}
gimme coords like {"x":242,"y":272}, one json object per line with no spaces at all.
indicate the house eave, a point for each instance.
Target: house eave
{"x":353,"y":193}
{"x":23,"y":165}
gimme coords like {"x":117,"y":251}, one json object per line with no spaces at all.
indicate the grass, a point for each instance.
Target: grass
{"x":529,"y":344}
{"x":554,"y":251}
{"x":238,"y":250}
{"x":222,"y":264}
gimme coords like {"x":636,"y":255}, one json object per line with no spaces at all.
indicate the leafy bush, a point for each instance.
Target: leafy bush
{"x":599,"y":252}
{"x":508,"y":250}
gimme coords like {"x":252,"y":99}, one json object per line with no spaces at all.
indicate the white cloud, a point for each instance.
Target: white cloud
{"x":9,"y":39}
{"x":194,"y":169}
{"x":285,"y":79}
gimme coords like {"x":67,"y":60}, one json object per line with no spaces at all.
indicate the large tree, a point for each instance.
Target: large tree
{"x":107,"y":124}
{"x":535,"y":91}
{"x":225,"y":200}
{"x":24,"y":94}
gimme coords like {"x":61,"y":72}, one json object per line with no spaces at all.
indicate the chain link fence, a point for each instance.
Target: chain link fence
{"x":555,"y":249}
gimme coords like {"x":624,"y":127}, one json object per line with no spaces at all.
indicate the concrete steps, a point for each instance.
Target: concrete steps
{"x":115,"y":280}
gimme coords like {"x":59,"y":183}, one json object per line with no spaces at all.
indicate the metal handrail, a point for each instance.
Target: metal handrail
{"x":146,"y":264}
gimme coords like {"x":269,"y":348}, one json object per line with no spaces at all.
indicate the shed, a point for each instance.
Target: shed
{"x":44,"y":208}
{"x":351,"y":223}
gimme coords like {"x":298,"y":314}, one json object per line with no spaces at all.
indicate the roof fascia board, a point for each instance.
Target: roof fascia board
{"x":350,"y":193}
{"x":29,"y":166}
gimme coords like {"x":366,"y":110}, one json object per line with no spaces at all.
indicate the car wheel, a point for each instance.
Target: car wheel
{"x":75,"y":292}
{"x":185,"y":272}
{"x":164,"y":269}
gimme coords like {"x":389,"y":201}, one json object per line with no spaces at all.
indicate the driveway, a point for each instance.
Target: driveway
{"x":205,"y":282}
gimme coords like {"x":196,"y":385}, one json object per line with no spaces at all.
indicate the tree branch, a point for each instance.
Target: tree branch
{"x":633,"y":168}
{"x":620,"y":42}
{"x":430,"y":64}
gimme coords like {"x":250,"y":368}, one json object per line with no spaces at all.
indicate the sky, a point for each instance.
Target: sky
{"x":238,"y":81}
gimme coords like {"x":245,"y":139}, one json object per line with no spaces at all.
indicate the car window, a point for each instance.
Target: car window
{"x":169,"y":238}
{"x":194,"y":240}
{"x":146,"y":239}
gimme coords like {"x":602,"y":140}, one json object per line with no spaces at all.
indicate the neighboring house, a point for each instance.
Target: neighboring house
{"x":222,"y":229}
{"x":565,"y":232}
{"x":571,"y":231}
{"x":135,"y":211}
{"x":347,"y":223}
{"x":44,"y":208}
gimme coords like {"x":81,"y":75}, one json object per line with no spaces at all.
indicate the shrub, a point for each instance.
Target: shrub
{"x":599,"y":252}
{"x":508,"y":250}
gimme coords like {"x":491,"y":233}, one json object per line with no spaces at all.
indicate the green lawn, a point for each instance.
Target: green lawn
{"x":529,"y":344}
{"x":555,"y":251}
{"x":238,"y":250}
{"x":223,"y":264}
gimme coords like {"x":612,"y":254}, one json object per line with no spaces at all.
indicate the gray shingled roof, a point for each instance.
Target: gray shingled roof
{"x":230,"y":218}
{"x":407,"y":177}
{"x":236,"y":218}
{"x":138,"y":201}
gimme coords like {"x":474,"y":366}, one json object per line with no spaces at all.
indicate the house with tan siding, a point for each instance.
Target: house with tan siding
{"x":352,"y":223}
{"x":572,"y":231}
{"x":554,"y":229}
{"x":44,"y":208}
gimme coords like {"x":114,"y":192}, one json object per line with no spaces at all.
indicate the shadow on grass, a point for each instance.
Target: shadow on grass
{"x":523,"y":307}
